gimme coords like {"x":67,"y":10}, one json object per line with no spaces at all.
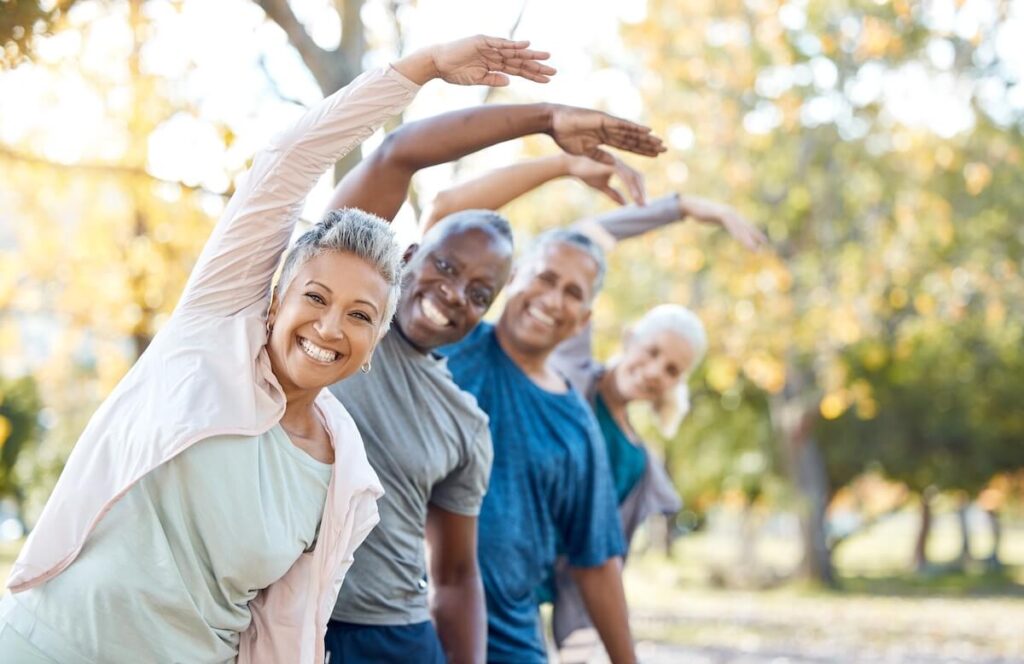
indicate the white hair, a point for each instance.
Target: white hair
{"x":359,"y":233}
{"x":678,"y":320}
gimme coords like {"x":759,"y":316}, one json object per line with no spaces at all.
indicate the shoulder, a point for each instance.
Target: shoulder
{"x":479,"y":336}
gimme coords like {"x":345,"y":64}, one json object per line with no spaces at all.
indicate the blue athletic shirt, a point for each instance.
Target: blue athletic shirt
{"x":550,"y":488}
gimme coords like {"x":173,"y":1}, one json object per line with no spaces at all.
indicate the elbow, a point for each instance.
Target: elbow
{"x":393,"y":152}
{"x":444,"y":204}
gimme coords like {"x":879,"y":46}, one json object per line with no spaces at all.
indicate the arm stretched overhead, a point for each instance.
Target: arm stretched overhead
{"x":380,"y":183}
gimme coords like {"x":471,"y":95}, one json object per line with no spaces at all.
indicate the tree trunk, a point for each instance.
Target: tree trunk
{"x":994,"y":562}
{"x":924,"y":529}
{"x":813,"y":484}
{"x":965,"y":532}
{"x":793,"y":414}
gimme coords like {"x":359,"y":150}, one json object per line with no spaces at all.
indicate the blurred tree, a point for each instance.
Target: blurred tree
{"x":19,"y":427}
{"x":890,"y":220}
{"x":108,"y":246}
{"x":331,"y":68}
{"x":21,"y":21}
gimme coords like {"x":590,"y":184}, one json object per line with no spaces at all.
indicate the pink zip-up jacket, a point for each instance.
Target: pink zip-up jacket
{"x":207,"y":373}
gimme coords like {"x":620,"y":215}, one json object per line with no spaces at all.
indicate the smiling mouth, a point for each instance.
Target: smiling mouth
{"x":322,"y":355}
{"x":540,"y":316}
{"x":433,"y":314}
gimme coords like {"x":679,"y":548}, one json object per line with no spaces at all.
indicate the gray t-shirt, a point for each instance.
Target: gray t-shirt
{"x":429,"y":443}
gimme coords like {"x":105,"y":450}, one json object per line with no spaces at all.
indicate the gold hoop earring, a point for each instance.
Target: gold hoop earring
{"x":366,"y":368}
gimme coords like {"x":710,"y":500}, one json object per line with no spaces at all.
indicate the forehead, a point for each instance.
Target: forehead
{"x":569,"y":262}
{"x":348,"y":277}
{"x":468,"y":240}
{"x":671,"y":343}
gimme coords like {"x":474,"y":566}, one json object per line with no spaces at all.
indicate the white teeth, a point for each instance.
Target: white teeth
{"x":433,"y":314}
{"x":316,"y":352}
{"x":541,"y":316}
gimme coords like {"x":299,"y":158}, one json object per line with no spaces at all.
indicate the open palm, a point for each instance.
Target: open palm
{"x":483,"y":60}
{"x":581,"y":131}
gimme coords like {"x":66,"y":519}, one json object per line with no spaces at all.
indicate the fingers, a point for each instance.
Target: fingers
{"x":634,"y":138}
{"x":634,"y":182}
{"x":601,"y":156}
{"x":521,"y":66}
{"x":495,"y":80}
{"x":613,"y":193}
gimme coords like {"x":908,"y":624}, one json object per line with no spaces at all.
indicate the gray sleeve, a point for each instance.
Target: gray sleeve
{"x":574,"y":359}
{"x":632,"y":220}
{"x":462,"y":491}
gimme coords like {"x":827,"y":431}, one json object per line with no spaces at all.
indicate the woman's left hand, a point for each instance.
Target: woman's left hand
{"x":710,"y":212}
{"x":478,"y":60}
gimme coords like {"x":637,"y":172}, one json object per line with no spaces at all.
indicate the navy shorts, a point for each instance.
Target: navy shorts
{"x":349,"y":643}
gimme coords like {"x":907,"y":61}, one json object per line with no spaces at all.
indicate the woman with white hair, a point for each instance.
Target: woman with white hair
{"x":211,"y":507}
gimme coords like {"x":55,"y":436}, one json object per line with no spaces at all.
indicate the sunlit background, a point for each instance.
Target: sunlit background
{"x":855,"y":453}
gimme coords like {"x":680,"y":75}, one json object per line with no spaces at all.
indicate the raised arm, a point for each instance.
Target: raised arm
{"x":380,"y":183}
{"x":634,"y":220}
{"x":501,"y":186}
{"x":234,"y":271}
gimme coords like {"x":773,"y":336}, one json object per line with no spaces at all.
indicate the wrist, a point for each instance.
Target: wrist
{"x":684,"y":210}
{"x":419,"y":66}
{"x":548,"y":112}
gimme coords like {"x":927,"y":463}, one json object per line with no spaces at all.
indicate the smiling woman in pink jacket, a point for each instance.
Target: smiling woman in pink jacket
{"x":212,"y":505}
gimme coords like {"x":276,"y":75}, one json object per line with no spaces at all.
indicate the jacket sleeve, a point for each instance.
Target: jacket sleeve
{"x":632,"y":220}
{"x":234,"y":271}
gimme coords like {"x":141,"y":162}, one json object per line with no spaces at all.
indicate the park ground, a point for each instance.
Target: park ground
{"x":880,"y":612}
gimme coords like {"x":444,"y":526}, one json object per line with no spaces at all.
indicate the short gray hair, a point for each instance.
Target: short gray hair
{"x":573,"y":238}
{"x":353,"y":231}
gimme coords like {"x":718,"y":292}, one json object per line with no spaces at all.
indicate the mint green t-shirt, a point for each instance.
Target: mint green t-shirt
{"x":168,"y":573}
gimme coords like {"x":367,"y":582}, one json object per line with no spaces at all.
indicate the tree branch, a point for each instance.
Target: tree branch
{"x":275,"y":87}
{"x":103,"y":169}
{"x":353,"y":38}
{"x":316,"y":58}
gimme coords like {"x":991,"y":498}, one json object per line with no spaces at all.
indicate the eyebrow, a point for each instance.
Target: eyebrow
{"x":311,"y":281}
{"x":369,"y":304}
{"x":366,"y":302}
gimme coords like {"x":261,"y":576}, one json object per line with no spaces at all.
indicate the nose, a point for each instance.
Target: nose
{"x":330,"y":327}
{"x":453,"y":294}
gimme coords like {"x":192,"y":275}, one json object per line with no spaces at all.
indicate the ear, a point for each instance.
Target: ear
{"x":409,"y":253}
{"x":275,"y":304}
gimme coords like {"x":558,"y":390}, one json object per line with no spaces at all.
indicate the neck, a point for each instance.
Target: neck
{"x":609,"y":390}
{"x":396,"y":324}
{"x":533,"y":363}
{"x":298,"y":411}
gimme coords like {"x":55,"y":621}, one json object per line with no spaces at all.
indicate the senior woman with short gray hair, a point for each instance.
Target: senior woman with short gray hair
{"x":211,"y":507}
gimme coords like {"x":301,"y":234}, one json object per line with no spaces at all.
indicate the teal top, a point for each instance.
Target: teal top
{"x":627,"y":460}
{"x":168,"y":573}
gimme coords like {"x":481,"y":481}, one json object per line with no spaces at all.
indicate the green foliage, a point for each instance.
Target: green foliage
{"x":19,"y":427}
{"x":891,"y":305}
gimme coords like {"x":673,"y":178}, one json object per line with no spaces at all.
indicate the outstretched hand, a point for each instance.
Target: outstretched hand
{"x":597,"y":175}
{"x":581,"y":131}
{"x":710,"y":212}
{"x":490,"y":61}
